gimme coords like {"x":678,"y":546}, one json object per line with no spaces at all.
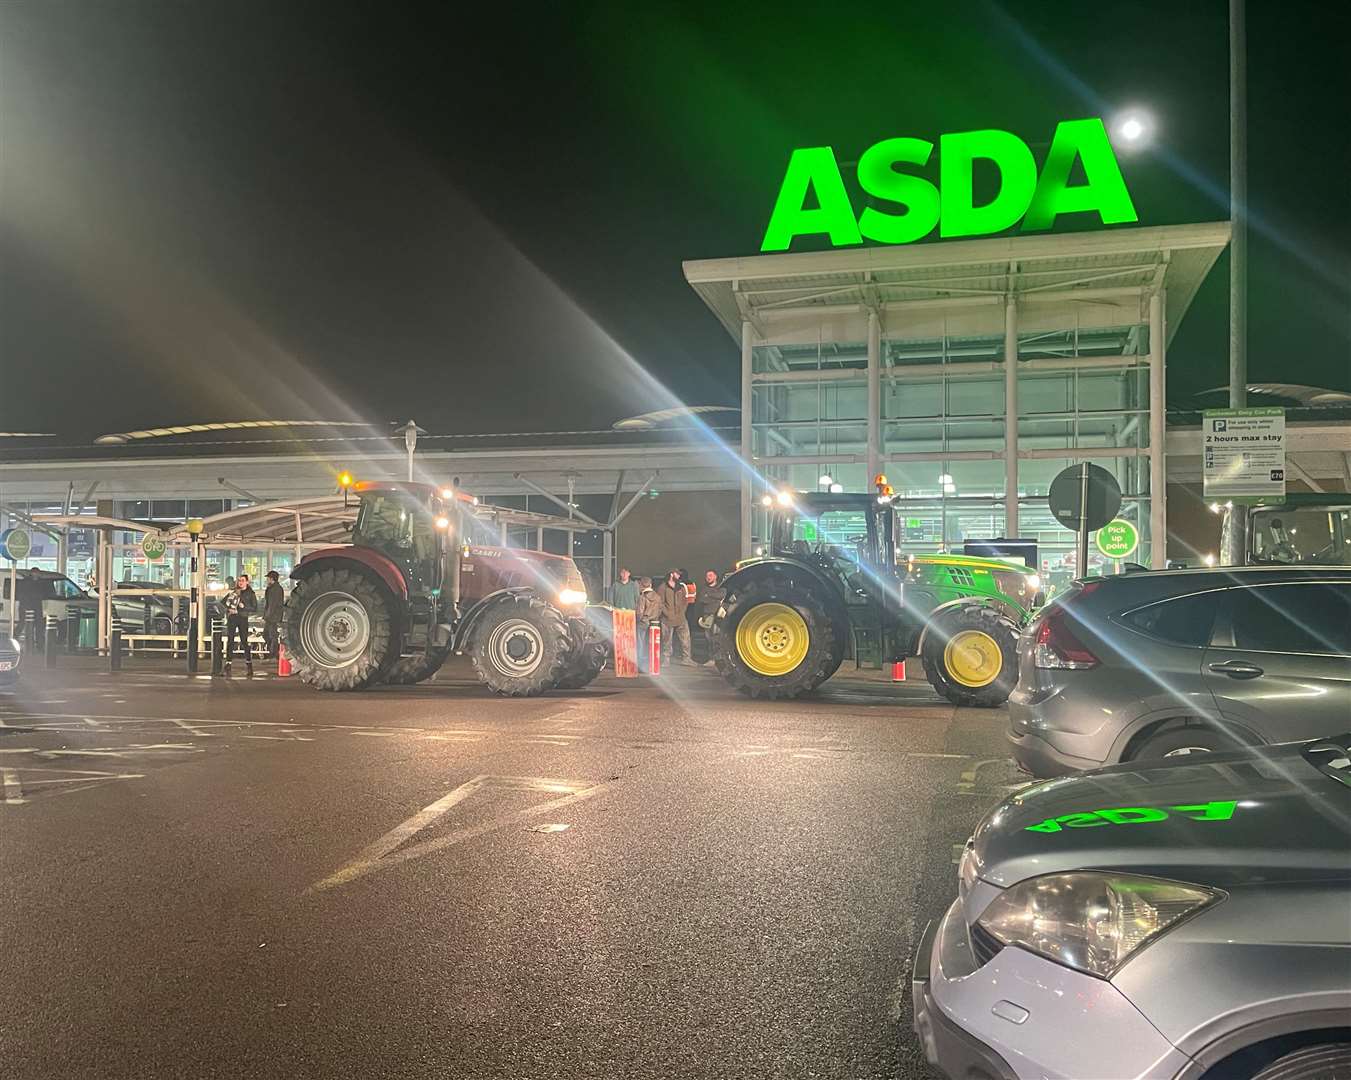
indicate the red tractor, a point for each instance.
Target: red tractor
{"x":409,"y":591}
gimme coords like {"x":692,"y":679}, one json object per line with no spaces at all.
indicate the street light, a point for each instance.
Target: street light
{"x":1133,"y":129}
{"x":826,"y":480}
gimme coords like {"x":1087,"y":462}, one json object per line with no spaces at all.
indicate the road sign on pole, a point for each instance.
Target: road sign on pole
{"x":15,"y":544}
{"x":1118,"y":539}
{"x":152,"y":546}
{"x":1084,"y":497}
{"x":1243,"y":454}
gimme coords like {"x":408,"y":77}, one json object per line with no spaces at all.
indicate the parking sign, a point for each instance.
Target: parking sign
{"x":1243,"y":454}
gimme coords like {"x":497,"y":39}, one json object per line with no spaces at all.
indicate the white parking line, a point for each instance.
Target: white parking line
{"x":13,"y":789}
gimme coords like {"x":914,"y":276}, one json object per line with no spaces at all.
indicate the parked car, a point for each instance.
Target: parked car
{"x":1185,"y":920}
{"x":49,"y":594}
{"x":1172,"y":662}
{"x":11,"y":655}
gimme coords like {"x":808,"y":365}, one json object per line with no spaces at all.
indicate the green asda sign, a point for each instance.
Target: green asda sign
{"x":813,"y":201}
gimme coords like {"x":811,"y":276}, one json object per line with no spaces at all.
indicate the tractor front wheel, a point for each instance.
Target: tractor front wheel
{"x":775,"y":641}
{"x":587,"y":659}
{"x":339,"y":630}
{"x":521,"y":646}
{"x":971,"y":656}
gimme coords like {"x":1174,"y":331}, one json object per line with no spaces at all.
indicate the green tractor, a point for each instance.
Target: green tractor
{"x":831,"y":586}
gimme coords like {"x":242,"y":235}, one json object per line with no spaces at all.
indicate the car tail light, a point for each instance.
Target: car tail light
{"x":1057,"y":647}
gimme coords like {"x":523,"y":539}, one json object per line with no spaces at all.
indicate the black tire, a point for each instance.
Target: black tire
{"x":520,"y":647}
{"x":587,"y":658}
{"x":1326,"y":1061}
{"x":1179,"y":742}
{"x":407,"y":670}
{"x":339,"y":630}
{"x":974,"y":619}
{"x":820,"y":658}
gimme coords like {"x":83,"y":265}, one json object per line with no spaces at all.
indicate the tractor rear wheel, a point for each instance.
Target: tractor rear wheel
{"x":587,"y":659}
{"x":521,"y":646}
{"x":776,"y":641}
{"x":408,"y":670}
{"x":971,"y":656}
{"x":339,"y":630}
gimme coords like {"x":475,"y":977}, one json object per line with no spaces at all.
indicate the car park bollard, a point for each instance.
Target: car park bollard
{"x":115,"y":650}
{"x":51,"y":632}
{"x":654,"y":649}
{"x":30,"y":631}
{"x":72,"y":629}
{"x":217,"y":652}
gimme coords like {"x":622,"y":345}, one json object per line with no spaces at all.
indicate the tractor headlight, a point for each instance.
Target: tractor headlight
{"x":571,"y":597}
{"x":1090,"y":921}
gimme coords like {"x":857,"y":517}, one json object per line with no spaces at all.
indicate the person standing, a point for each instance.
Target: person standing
{"x":647,"y":613}
{"x":240,"y":603}
{"x":673,"y":625}
{"x":274,"y":601}
{"x":711,"y":596}
{"x":625,"y":591}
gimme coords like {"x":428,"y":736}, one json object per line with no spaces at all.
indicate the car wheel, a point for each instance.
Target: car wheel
{"x":1323,"y":1062}
{"x":1184,"y":742}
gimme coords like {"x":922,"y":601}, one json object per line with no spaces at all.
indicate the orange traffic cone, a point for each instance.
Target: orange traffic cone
{"x":283,"y":661}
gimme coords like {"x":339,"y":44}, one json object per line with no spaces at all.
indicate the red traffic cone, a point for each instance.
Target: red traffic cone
{"x":898,"y":671}
{"x":283,"y":661}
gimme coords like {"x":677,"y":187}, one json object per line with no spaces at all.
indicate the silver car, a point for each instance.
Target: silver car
{"x":1151,"y":664}
{"x":1188,"y":920}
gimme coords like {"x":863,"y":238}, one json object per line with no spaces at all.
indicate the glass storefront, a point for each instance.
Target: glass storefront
{"x":1081,"y":395}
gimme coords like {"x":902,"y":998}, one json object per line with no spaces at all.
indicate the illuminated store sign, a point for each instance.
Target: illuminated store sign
{"x":905,"y":206}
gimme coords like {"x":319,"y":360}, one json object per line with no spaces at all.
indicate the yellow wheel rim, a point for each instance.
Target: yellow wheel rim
{"x":772,"y":639}
{"x":973,"y":658}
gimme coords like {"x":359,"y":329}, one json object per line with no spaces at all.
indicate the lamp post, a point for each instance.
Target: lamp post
{"x":194,"y":527}
{"x":1238,"y":207}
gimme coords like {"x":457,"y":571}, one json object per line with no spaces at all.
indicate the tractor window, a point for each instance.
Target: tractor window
{"x":842,"y":533}
{"x":1319,"y":536}
{"x":384,"y":520}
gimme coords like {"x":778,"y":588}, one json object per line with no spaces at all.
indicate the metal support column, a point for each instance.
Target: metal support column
{"x":1010,"y":417}
{"x":1158,"y":430}
{"x":747,"y":457}
{"x":1238,"y":207}
{"x":103,"y":564}
{"x":874,"y":397}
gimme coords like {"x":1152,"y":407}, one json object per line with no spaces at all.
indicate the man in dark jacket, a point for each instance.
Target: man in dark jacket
{"x":240,"y":603}
{"x":274,"y":601}
{"x":711,"y":596}
{"x":673,"y":624}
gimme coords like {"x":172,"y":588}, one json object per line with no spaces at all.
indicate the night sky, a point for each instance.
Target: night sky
{"x":216,"y":211}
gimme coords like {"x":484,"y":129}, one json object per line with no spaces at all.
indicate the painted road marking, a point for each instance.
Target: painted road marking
{"x":21,"y":785}
{"x":389,"y":850}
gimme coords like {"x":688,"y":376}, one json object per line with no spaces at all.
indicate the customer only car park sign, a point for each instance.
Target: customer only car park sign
{"x":1243,"y":453}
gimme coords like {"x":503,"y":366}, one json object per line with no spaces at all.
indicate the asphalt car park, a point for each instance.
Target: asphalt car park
{"x":649,"y":878}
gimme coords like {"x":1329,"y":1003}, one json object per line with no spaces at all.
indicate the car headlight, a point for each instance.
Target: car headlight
{"x":1090,"y":921}
{"x":571,"y":597}
{"x":15,"y":645}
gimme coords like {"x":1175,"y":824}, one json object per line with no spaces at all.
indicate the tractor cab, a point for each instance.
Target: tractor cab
{"x":1303,"y":529}
{"x":843,"y":534}
{"x":407,"y":524}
